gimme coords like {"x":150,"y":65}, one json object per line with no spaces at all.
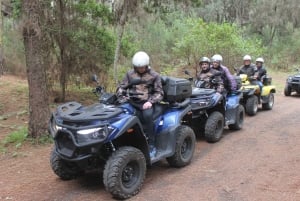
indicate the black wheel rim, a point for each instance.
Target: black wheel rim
{"x":130,"y":174}
{"x":255,"y":106}
{"x":241,"y":119}
{"x":186,"y":147}
{"x":219,"y":126}
{"x":271,"y":100}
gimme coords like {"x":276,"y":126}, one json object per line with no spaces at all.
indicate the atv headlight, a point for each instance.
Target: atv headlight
{"x":93,"y":134}
{"x":202,"y":103}
{"x":54,"y":127}
{"x":289,"y":79}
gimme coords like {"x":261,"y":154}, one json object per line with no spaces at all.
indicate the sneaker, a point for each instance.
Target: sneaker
{"x":152,"y":151}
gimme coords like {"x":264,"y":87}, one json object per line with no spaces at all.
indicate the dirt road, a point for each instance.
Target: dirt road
{"x":261,"y":162}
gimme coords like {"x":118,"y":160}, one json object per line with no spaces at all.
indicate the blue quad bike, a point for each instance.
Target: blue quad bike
{"x":213,"y":111}
{"x":109,"y":137}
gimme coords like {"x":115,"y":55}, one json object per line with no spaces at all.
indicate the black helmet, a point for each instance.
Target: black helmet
{"x":204,"y":60}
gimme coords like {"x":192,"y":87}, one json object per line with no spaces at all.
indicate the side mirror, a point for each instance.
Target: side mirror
{"x":187,"y":72}
{"x":94,"y":78}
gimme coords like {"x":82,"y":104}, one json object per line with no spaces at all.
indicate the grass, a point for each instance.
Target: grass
{"x":19,"y":137}
{"x":278,"y":78}
{"x":14,"y":139}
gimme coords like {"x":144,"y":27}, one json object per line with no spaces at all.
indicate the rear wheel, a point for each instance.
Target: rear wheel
{"x":214,"y":127}
{"x":287,"y":90}
{"x":185,"y":147}
{"x":251,"y":105}
{"x":239,"y":121}
{"x":270,"y":103}
{"x":124,"y":172}
{"x":64,"y":169}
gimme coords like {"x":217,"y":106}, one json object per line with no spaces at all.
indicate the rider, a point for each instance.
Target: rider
{"x":151,"y":89}
{"x":248,"y":68}
{"x":261,"y":71}
{"x":228,"y":79}
{"x":205,"y":75}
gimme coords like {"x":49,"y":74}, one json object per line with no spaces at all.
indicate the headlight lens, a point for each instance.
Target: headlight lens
{"x":289,"y":79}
{"x":93,"y":134}
{"x":55,"y":127}
{"x":201,"y":103}
{"x":204,"y":103}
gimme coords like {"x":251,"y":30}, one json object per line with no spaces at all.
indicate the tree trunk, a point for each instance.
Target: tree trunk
{"x":120,"y":30}
{"x":63,"y":56}
{"x":35,"y":43}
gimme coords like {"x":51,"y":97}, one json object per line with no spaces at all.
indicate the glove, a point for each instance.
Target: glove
{"x":122,"y":99}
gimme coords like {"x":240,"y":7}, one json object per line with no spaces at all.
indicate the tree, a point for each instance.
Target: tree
{"x":121,"y":11}
{"x":271,"y":19}
{"x":81,"y":40}
{"x":35,"y":42}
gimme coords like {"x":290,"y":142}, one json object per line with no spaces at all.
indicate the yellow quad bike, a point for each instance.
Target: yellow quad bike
{"x":253,"y":95}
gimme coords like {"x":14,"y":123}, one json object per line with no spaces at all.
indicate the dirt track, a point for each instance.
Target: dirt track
{"x":261,"y":162}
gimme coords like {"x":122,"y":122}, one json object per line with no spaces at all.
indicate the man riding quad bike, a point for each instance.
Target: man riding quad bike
{"x":256,"y":89}
{"x":211,"y":109}
{"x":253,"y":96}
{"x":109,"y":137}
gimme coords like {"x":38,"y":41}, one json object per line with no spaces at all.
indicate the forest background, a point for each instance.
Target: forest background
{"x":56,"y":44}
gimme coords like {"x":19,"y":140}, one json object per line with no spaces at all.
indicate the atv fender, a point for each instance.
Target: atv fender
{"x":128,"y":123}
{"x":266,"y":90}
{"x":250,"y":92}
{"x":217,"y":99}
{"x":174,"y":117}
{"x":132,"y":134}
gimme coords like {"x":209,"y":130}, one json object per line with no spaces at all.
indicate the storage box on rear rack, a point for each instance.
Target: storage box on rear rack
{"x":176,"y":89}
{"x":267,"y":80}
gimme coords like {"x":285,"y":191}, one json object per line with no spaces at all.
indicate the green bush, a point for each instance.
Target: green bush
{"x":206,"y":39}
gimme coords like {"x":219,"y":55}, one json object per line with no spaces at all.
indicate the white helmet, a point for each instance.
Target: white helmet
{"x":260,"y":60}
{"x":217,"y":57}
{"x":247,"y":57}
{"x":140,"y":59}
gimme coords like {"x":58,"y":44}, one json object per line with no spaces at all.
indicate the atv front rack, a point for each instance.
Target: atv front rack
{"x":75,"y":112}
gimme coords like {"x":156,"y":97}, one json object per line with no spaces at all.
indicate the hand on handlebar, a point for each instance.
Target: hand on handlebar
{"x":147,"y":105}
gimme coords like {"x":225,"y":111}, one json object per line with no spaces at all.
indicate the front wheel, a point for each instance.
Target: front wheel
{"x":124,"y":172}
{"x":239,"y":120}
{"x":287,"y":90}
{"x":269,"y":104}
{"x":214,"y":127}
{"x":251,"y":105}
{"x":184,"y":148}
{"x":64,"y":169}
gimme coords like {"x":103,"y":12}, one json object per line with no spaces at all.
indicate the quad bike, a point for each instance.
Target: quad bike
{"x":253,"y":95}
{"x":292,"y":84}
{"x":213,"y":111}
{"x":109,"y":137}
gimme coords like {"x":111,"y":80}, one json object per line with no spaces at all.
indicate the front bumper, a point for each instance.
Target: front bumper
{"x":68,"y":149}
